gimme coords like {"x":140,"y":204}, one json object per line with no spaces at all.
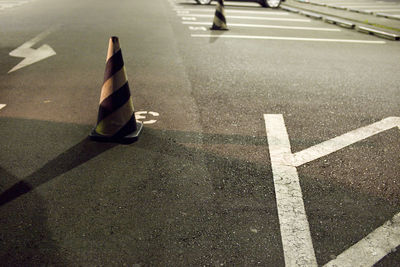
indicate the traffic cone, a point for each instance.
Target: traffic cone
{"x":219,"y":22}
{"x":116,"y":120}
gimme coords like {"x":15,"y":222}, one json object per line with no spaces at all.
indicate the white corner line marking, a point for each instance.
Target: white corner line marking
{"x":267,"y":26}
{"x":295,"y":231}
{"x":373,"y":247}
{"x":2,"y":106}
{"x":339,"y":142}
{"x":286,"y":38}
{"x":31,"y":55}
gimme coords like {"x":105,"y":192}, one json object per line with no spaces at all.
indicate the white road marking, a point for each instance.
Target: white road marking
{"x":2,"y":106}
{"x":373,"y":247}
{"x":228,"y":3}
{"x":31,"y":55}
{"x":295,"y":230}
{"x":339,"y":142}
{"x":189,"y":18}
{"x":346,"y":3}
{"x":141,"y":115}
{"x":296,"y":238}
{"x":194,"y":28}
{"x":286,"y":38}
{"x":231,"y":11}
{"x":378,"y":10}
{"x":246,"y":17}
{"x":10,"y":4}
{"x":267,"y":26}
{"x":371,"y":6}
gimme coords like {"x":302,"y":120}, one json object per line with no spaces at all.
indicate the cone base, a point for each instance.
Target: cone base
{"x":216,"y":28}
{"x":127,"y":139}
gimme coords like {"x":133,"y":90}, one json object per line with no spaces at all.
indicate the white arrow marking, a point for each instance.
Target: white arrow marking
{"x":31,"y":55}
{"x":2,"y":106}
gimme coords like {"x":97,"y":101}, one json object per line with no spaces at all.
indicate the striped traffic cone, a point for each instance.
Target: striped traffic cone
{"x":116,"y":118}
{"x":219,"y":22}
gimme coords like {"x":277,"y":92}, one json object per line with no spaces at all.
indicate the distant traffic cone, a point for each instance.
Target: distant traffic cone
{"x":219,"y":22}
{"x":116,"y":120}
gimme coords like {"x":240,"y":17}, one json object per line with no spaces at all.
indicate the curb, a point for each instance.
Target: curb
{"x":389,"y":16}
{"x":342,"y":23}
{"x":310,"y":14}
{"x":361,"y":11}
{"x":369,"y":30}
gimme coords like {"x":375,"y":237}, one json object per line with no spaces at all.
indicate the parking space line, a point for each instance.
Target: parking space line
{"x":291,"y":211}
{"x":267,"y":26}
{"x":241,"y":4}
{"x":385,"y":10}
{"x":339,"y":142}
{"x":245,"y":17}
{"x":373,"y":247}
{"x":286,"y":38}
{"x":373,"y":6}
{"x":278,"y":13}
{"x":295,"y":230}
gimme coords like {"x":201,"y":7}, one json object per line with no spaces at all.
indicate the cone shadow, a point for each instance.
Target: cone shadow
{"x":70,"y":159}
{"x":215,"y":35}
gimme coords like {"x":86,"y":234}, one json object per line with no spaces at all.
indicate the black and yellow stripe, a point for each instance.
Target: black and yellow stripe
{"x":219,"y":22}
{"x":116,"y":117}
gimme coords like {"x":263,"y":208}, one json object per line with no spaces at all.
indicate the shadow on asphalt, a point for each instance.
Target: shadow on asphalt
{"x":176,"y":202}
{"x":70,"y":159}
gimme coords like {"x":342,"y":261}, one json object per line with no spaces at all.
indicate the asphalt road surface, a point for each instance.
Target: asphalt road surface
{"x":274,"y":143}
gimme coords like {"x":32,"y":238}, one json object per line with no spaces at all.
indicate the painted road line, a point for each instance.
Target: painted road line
{"x":2,"y":106}
{"x":267,"y":26}
{"x":142,"y":115}
{"x":4,"y":6}
{"x":287,"y":38}
{"x":232,"y":11}
{"x":295,"y":231}
{"x":356,"y":3}
{"x":373,"y":247}
{"x":383,"y":10}
{"x":245,"y":17}
{"x":239,"y":4}
{"x":366,"y":252}
{"x":342,"y":141}
{"x":30,"y":54}
{"x":370,"y":7}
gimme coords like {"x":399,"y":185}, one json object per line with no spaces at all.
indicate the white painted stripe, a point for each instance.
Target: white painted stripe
{"x":378,"y":10}
{"x":3,"y":6}
{"x":346,"y":3}
{"x":267,"y":26}
{"x":243,"y":17}
{"x":232,"y":11}
{"x":286,"y":38}
{"x":339,"y":142}
{"x":369,"y":7}
{"x":2,"y":106}
{"x":295,"y":230}
{"x":372,"y":248}
{"x":239,"y":4}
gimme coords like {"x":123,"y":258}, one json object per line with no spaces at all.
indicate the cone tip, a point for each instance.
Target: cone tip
{"x":114,"y":39}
